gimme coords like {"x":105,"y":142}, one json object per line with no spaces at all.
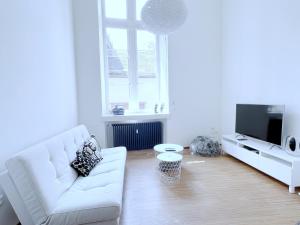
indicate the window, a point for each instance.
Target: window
{"x":135,"y":61}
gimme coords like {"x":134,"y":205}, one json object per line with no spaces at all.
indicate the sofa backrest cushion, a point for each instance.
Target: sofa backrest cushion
{"x":42,"y":173}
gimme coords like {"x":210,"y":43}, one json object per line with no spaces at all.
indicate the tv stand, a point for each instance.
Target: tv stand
{"x":274,"y":162}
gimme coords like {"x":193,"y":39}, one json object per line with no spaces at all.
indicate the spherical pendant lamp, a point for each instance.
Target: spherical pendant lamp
{"x":163,"y":16}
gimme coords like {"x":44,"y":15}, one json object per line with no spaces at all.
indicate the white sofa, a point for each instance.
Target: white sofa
{"x":44,"y":189}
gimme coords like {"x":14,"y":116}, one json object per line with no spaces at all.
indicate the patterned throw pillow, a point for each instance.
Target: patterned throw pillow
{"x":93,"y":148}
{"x":82,"y":164}
{"x":87,"y":158}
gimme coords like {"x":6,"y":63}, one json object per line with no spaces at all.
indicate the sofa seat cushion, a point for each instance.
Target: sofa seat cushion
{"x":113,"y":159}
{"x":97,"y":197}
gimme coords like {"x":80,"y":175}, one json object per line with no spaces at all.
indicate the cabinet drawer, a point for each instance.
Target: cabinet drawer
{"x":229,"y":147}
{"x":276,"y":168}
{"x":248,"y":157}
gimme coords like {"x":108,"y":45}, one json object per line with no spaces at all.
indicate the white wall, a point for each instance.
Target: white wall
{"x":88,"y":66}
{"x":37,"y":76}
{"x":195,"y":73}
{"x":194,"y":66}
{"x":261,"y":55}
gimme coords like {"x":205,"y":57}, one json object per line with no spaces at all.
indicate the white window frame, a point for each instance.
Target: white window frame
{"x":132,"y":25}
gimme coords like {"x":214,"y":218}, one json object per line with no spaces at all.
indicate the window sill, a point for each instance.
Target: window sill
{"x":138,"y":116}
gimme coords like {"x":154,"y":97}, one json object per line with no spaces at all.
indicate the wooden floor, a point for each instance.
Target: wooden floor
{"x":212,"y":191}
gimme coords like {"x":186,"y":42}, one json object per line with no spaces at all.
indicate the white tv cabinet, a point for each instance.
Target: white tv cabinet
{"x":274,"y":162}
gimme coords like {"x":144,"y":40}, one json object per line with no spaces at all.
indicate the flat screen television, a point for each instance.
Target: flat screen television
{"x":263,"y":122}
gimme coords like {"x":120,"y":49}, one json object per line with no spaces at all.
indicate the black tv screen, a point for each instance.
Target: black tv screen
{"x":262,"y":122}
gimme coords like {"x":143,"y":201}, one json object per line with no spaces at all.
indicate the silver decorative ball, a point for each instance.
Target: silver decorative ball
{"x":205,"y":146}
{"x":163,"y":16}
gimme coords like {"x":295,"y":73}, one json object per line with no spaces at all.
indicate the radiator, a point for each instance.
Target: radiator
{"x":137,"y":136}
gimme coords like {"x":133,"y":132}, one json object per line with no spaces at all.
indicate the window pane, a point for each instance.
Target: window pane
{"x":139,"y":6}
{"x":148,"y":80}
{"x":115,"y":9}
{"x":117,"y":60}
{"x":146,"y":54}
{"x":117,"y":51}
